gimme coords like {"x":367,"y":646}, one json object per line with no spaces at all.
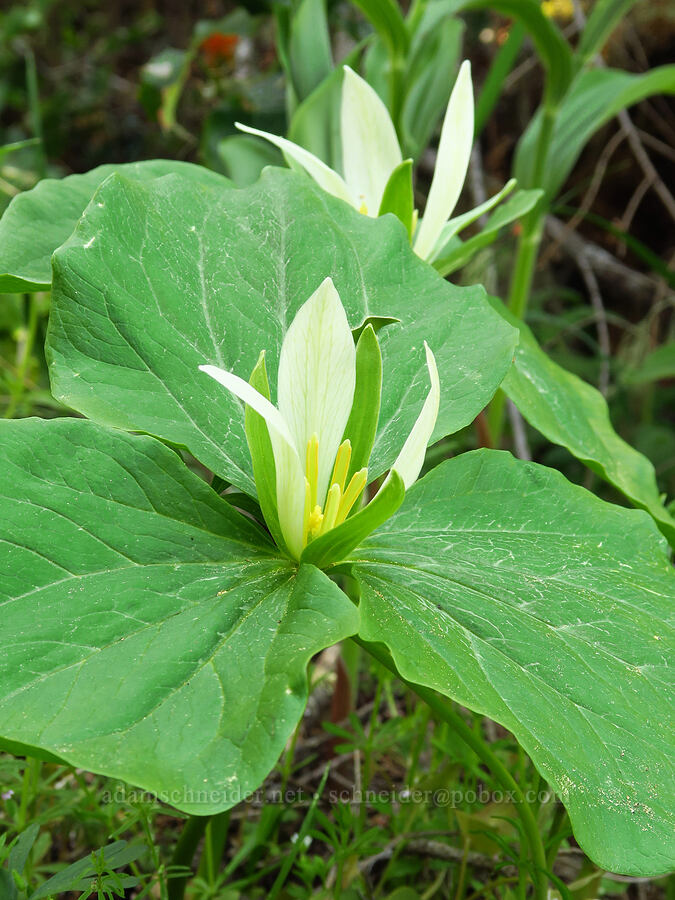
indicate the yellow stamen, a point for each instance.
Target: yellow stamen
{"x":331,"y":509}
{"x":351,"y":495}
{"x":363,"y":209}
{"x":341,"y":466}
{"x":315,"y":521}
{"x":312,"y":468}
{"x":307,"y":513}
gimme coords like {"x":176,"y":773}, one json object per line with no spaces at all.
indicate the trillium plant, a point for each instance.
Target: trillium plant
{"x":255,"y":376}
{"x":376,"y":178}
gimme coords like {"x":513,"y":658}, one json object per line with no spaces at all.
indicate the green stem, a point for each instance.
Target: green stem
{"x":528,"y":250}
{"x":396,"y":70}
{"x":34,"y":109}
{"x":24,"y":357}
{"x":443,"y":711}
{"x":300,"y":841}
{"x":184,"y":853}
{"x":557,"y":833}
{"x":214,"y":846}
{"x":31,"y":778}
{"x":461,"y":878}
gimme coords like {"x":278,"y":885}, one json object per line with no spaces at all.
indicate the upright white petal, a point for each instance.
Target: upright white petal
{"x":370,"y":150}
{"x":410,"y":459}
{"x":317,"y":373}
{"x":290,"y":474}
{"x":324,"y":176}
{"x":454,"y":151}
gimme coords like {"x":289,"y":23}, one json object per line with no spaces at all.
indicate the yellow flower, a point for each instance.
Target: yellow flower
{"x":558,"y":9}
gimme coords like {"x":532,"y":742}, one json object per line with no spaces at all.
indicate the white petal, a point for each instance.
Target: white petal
{"x":370,"y":150}
{"x":317,"y":373}
{"x":454,"y":151}
{"x":409,"y":461}
{"x":324,"y":176}
{"x":290,"y":474}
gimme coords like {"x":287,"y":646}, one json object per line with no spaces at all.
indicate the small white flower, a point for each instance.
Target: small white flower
{"x":317,"y":375}
{"x":371,"y":152}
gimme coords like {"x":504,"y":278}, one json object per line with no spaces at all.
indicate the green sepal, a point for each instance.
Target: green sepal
{"x":362,"y":423}
{"x":398,"y":196}
{"x":262,"y":455}
{"x":337,"y":543}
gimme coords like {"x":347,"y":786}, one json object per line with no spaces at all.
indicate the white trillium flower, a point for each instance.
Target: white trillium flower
{"x":371,"y":152}
{"x":317,"y":376}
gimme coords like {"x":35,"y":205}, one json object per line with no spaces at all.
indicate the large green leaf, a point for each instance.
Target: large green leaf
{"x":149,"y":631}
{"x":158,"y":279}
{"x":594,"y":98}
{"x":40,"y":220}
{"x":572,"y":413}
{"x":524,"y":597}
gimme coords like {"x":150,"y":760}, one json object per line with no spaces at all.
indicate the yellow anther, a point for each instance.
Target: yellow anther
{"x":307,"y":513}
{"x":312,"y":468}
{"x":341,"y":466}
{"x":363,"y":209}
{"x":331,"y":509}
{"x":351,"y":495}
{"x":315,"y":520}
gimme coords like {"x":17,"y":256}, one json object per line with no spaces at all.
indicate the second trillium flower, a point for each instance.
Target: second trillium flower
{"x":317,"y":482}
{"x":371,"y":153}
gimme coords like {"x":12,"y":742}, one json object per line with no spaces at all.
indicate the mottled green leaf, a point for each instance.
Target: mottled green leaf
{"x":150,"y":633}
{"x":160,"y":278}
{"x":574,"y":414}
{"x":527,"y":599}
{"x":40,"y":220}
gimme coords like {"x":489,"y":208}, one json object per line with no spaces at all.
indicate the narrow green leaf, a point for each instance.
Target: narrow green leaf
{"x":144,"y":293}
{"x":398,"y":196}
{"x":656,"y":366}
{"x":8,"y":888}
{"x":430,"y":74}
{"x":38,"y":221}
{"x":337,"y":544}
{"x":604,"y":16}
{"x":572,"y":413}
{"x":527,"y":599}
{"x":386,"y":18}
{"x":552,"y":48}
{"x":18,"y":855}
{"x":315,"y":124}
{"x":6,"y":149}
{"x":515,"y":207}
{"x":458,"y":223}
{"x":244,"y":157}
{"x":361,"y":426}
{"x":137,"y":603}
{"x":262,"y":456}
{"x":77,"y":876}
{"x":595,"y":97}
{"x":500,"y":67}
{"x":311,"y":59}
